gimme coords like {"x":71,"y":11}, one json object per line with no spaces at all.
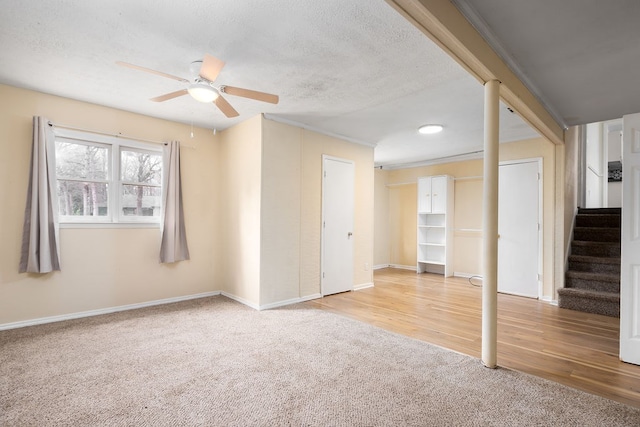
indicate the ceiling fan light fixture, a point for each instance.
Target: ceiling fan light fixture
{"x":430,"y":129}
{"x":203,"y":93}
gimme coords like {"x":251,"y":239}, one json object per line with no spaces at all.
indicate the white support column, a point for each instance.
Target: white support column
{"x":490,"y":225}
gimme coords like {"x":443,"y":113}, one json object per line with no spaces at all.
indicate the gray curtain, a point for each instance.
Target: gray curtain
{"x":174,"y":238}
{"x":40,"y":242}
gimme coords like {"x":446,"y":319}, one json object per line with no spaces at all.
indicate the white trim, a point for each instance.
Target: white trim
{"x":240,"y":300}
{"x":115,"y":145}
{"x":404,"y":267}
{"x":568,"y":250}
{"x":100,"y":311}
{"x":362,"y":286}
{"x":275,"y":118}
{"x":478,"y":154}
{"x":381,"y":266}
{"x":270,"y":305}
{"x":549,"y":300}
{"x":154,"y":225}
{"x":466,"y":275}
{"x":289,"y":302}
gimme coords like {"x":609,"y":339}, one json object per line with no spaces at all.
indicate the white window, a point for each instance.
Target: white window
{"x":107,"y":180}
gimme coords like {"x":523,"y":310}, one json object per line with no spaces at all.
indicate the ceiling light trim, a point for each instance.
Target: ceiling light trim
{"x":203,"y":92}
{"x":430,"y":129}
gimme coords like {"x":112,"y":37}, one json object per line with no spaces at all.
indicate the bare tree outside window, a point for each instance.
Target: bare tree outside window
{"x":82,"y":172}
{"x":141,"y":175}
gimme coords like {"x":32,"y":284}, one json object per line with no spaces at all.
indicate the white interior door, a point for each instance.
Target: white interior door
{"x":519,"y":228}
{"x":337,"y":223}
{"x":630,"y":260}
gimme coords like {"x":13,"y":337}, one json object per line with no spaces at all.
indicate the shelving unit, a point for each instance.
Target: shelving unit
{"x":435,"y":220}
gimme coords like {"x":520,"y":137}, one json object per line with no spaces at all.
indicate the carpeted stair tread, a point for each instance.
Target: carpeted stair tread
{"x":594,"y":259}
{"x":602,"y":249}
{"x":597,"y":234}
{"x":590,"y":301}
{"x":588,"y":293}
{"x":600,"y":211}
{"x":592,"y":281}
{"x":594,"y":264}
{"x":586,"y":275}
{"x":598,"y":220}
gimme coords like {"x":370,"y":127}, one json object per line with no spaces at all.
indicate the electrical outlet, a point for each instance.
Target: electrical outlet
{"x":366,"y":266}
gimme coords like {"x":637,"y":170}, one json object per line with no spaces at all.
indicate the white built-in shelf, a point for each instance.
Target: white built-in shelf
{"x":435,"y":224}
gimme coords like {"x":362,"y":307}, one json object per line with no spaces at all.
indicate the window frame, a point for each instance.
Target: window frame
{"x":115,"y":145}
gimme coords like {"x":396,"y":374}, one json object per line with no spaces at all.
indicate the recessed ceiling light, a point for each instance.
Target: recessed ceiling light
{"x":429,"y":129}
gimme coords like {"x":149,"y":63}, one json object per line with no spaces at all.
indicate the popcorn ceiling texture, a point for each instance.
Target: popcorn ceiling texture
{"x":348,"y":67}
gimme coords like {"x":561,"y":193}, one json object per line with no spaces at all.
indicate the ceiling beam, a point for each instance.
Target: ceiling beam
{"x":445,"y":25}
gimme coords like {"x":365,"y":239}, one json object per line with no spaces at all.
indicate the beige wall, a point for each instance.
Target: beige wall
{"x":240,"y":198}
{"x":381,"y":243}
{"x":102,"y":268}
{"x":252,"y":198}
{"x":292,"y":210}
{"x":468,"y":209}
{"x":280,"y":217}
{"x":467,"y":213}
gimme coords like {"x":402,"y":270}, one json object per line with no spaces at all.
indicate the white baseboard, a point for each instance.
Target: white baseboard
{"x":465,"y":275}
{"x":98,"y":312}
{"x":241,"y":300}
{"x":381,"y":266}
{"x":289,"y":302}
{"x":363,"y":286}
{"x":404,"y":267}
{"x":549,"y":300}
{"x":270,"y":305}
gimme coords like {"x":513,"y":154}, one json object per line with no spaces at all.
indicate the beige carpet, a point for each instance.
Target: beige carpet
{"x":215,"y":362}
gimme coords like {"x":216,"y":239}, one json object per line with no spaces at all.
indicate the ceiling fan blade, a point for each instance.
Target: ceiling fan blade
{"x":169,"y":96}
{"x":252,"y":94}
{"x":149,"y":70}
{"x":225,"y":107}
{"x":211,"y":67}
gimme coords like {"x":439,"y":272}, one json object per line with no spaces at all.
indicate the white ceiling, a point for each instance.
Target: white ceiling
{"x":580,"y":57}
{"x":351,"y":68}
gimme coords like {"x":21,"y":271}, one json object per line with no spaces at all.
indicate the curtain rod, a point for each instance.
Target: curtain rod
{"x":111,"y":134}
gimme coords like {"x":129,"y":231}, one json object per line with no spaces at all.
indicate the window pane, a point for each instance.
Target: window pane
{"x":136,"y":166}
{"x":81,"y":161}
{"x":82,"y":198}
{"x":141,"y":200}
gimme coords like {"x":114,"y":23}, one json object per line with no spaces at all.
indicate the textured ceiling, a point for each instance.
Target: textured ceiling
{"x":351,"y":68}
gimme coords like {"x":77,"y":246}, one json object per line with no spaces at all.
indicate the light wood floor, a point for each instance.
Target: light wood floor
{"x":570,"y":347}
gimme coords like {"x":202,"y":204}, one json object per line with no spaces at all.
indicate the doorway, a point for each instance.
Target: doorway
{"x":520,"y":228}
{"x":337,"y":225}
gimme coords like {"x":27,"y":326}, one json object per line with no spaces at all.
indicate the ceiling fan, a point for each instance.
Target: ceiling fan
{"x":201,"y":87}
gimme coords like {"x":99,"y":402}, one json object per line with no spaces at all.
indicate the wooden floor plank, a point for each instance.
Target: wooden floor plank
{"x":576,"y":349}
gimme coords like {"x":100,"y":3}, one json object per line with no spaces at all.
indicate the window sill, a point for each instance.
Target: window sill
{"x":155,"y":225}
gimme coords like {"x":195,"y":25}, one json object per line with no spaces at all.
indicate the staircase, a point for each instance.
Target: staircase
{"x":592,"y":282}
